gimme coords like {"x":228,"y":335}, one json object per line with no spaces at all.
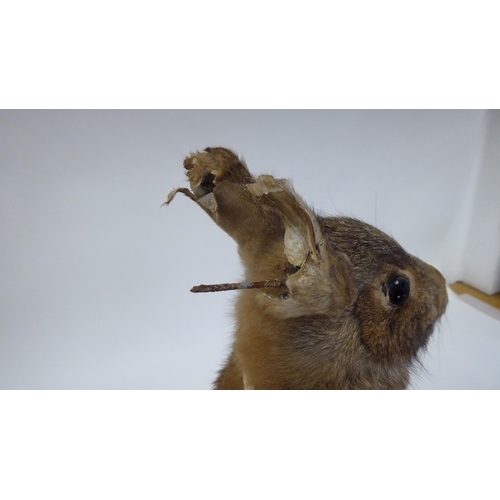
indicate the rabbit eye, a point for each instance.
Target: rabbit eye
{"x":398,"y":290}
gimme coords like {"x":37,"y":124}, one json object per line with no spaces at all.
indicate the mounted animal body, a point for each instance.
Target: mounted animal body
{"x":348,"y":308}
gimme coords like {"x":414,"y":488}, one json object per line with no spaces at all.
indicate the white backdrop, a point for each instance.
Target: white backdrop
{"x":95,"y":277}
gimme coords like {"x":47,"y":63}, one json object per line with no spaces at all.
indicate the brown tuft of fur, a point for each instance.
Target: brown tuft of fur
{"x":333,"y":324}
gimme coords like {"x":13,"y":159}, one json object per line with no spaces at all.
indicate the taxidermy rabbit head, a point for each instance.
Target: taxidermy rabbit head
{"x":330,"y":303}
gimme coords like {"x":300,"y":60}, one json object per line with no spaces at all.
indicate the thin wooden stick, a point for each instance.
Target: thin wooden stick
{"x":223,"y":287}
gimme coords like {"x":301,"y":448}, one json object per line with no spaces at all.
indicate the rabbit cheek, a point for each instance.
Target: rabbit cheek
{"x":390,"y":334}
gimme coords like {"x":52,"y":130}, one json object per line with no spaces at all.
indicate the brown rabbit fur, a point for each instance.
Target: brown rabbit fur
{"x":354,"y":309}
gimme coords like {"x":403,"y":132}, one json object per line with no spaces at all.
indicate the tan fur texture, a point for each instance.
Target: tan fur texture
{"x":333,"y":324}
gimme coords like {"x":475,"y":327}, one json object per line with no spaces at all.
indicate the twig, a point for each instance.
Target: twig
{"x":223,"y":287}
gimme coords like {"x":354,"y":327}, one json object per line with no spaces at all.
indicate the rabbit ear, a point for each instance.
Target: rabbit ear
{"x":322,"y":281}
{"x":303,"y":235}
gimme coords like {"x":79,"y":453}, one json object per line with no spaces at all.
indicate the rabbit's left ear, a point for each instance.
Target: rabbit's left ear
{"x":321,"y":282}
{"x":303,"y":235}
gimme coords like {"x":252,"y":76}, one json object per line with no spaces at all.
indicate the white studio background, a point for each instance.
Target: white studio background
{"x":95,"y":276}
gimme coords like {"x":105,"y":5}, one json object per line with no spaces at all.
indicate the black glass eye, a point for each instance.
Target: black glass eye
{"x":397,"y":289}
